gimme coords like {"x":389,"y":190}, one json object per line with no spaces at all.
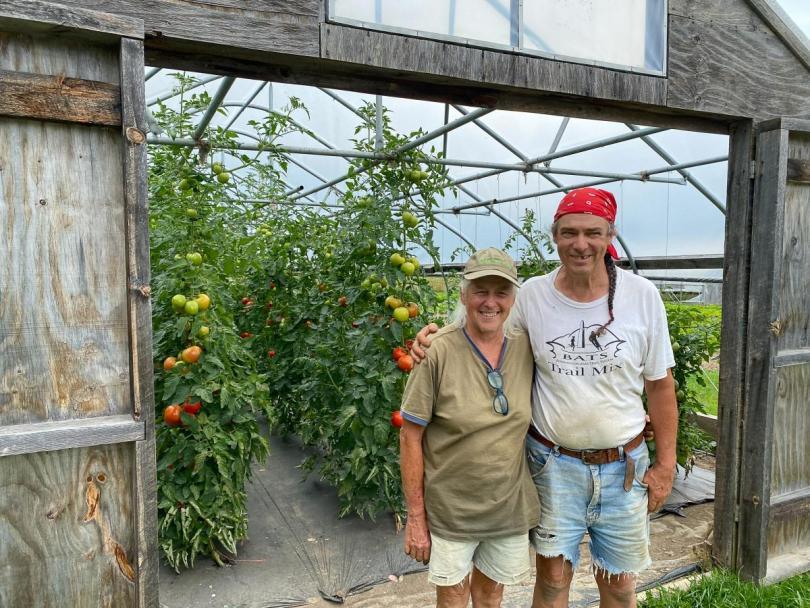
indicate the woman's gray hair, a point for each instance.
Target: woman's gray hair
{"x":458,"y":316}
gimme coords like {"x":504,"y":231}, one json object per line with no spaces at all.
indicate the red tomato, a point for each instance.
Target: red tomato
{"x":246,"y":300}
{"x":271,"y":353}
{"x":398,"y":352}
{"x":246,"y":334}
{"x":169,"y":363}
{"x":343,"y":301}
{"x":171,"y":415}
{"x":191,"y":354}
{"x":396,"y":419}
{"x":405,"y":363}
{"x":192,"y":408}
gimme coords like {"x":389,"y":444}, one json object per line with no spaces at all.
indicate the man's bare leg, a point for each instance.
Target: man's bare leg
{"x":616,"y":590}
{"x":554,"y":576}
{"x":485,"y":592}
{"x":453,"y":596}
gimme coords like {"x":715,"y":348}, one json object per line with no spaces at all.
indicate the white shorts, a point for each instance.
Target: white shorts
{"x":504,"y":560}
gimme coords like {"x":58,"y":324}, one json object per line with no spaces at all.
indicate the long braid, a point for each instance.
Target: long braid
{"x":611,"y":270}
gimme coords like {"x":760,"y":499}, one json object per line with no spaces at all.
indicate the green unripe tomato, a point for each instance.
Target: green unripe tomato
{"x":397,"y":259}
{"x":178,"y":301}
{"x":401,"y":314}
{"x":224,"y":177}
{"x":217,"y":168}
{"x":195,"y":258}
{"x":191,"y":307}
{"x":191,"y":213}
{"x":408,"y":269}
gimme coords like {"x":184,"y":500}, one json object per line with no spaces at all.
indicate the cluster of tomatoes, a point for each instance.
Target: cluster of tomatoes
{"x":187,"y":357}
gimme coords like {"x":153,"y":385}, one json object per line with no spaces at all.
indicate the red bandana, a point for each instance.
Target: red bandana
{"x":592,"y":201}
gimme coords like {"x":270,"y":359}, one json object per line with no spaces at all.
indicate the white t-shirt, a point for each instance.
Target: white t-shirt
{"x":587,"y":394}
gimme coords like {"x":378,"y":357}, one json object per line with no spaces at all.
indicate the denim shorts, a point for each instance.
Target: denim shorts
{"x":576,"y":498}
{"x":504,"y":560}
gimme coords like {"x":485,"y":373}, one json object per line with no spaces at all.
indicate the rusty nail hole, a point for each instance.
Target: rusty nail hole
{"x":43,"y":202}
{"x":101,"y":478}
{"x":89,"y":478}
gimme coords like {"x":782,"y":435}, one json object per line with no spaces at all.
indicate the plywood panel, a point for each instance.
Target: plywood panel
{"x":788,"y":537}
{"x":53,"y":55}
{"x":63,"y":337}
{"x":794,"y":309}
{"x":66,"y":528}
{"x":734,"y":70}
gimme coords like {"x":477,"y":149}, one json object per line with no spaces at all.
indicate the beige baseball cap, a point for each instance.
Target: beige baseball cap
{"x":491,"y":262}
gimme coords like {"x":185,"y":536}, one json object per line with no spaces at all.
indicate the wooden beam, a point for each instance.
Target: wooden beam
{"x":67,"y":434}
{"x":795,"y":505}
{"x":56,"y":98}
{"x":731,"y":397}
{"x":791,"y":357}
{"x":798,"y":170}
{"x":679,"y":262}
{"x":34,"y":16}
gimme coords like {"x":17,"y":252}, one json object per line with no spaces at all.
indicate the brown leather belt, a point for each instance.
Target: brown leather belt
{"x":589,"y":456}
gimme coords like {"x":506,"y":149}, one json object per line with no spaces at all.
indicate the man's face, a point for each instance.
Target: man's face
{"x":582,"y":241}
{"x":488,"y":301}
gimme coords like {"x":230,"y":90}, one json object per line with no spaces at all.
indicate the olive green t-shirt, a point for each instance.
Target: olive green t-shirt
{"x":477,"y":481}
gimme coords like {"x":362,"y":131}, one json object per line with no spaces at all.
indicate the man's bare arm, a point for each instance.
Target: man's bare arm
{"x":663,"y":408}
{"x":412,"y":467}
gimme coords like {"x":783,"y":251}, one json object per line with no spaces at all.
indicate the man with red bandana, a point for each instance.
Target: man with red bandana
{"x":600,"y":340}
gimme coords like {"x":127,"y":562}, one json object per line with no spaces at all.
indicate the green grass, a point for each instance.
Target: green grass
{"x":707,"y":395}
{"x":724,"y":590}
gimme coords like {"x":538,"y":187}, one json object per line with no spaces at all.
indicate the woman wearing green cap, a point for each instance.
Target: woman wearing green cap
{"x":471,"y":500}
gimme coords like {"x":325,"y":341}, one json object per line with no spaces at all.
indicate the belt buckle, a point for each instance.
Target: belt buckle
{"x":590,"y":456}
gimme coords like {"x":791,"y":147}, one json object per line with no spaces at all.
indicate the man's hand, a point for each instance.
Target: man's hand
{"x":659,"y":482}
{"x":422,"y":342}
{"x":417,"y":539}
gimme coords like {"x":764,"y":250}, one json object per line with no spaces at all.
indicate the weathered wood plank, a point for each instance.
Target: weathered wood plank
{"x":798,"y":170}
{"x":734,"y":70}
{"x":63,"y":337}
{"x":790,"y":469}
{"x":721,"y":13}
{"x":731,"y":397}
{"x":439,"y":59}
{"x":55,"y":56}
{"x":59,"y":99}
{"x":133,"y":141}
{"x":84,"y":432}
{"x":54,"y":19}
{"x":758,"y":414}
{"x":674,"y":261}
{"x":708,"y":424}
{"x":276,"y":26}
{"x":785,"y":358}
{"x":55,"y":550}
{"x":794,"y":312}
{"x":790,"y":506}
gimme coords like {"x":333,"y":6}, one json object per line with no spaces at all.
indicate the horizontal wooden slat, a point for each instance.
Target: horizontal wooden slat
{"x":792,"y":357}
{"x":678,"y":262}
{"x":37,"y":16}
{"x":707,"y":424}
{"x":790,"y":506}
{"x":50,"y":436}
{"x":798,"y":170}
{"x":56,"y":98}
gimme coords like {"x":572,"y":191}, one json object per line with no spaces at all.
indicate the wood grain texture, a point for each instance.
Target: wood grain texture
{"x":55,"y":56}
{"x":84,"y":432}
{"x":140,"y":318}
{"x":59,"y":99}
{"x":734,"y":70}
{"x":791,"y":505}
{"x":760,"y":385}
{"x":57,"y":19}
{"x":459,"y":62}
{"x":280,"y":26}
{"x":783,"y":27}
{"x":63,"y":337}
{"x":63,"y":516}
{"x":790,"y":471}
{"x":794,"y":311}
{"x":731,"y":397}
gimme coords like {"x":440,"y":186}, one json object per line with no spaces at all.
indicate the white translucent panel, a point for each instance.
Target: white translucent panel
{"x":482,"y":20}
{"x":622,"y":32}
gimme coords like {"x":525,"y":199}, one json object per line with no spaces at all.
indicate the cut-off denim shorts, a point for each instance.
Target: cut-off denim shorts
{"x":576,"y":498}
